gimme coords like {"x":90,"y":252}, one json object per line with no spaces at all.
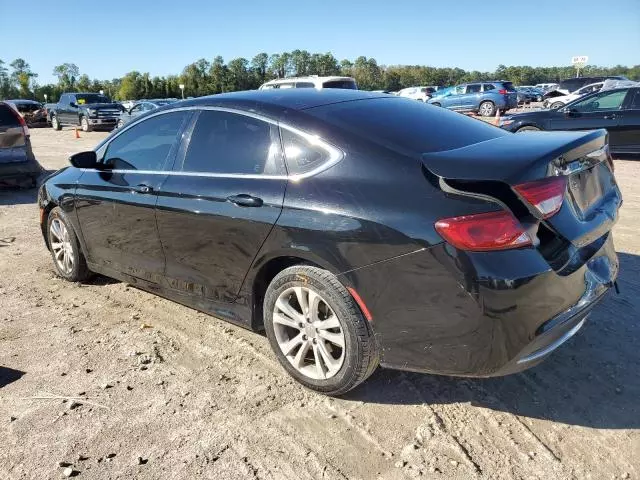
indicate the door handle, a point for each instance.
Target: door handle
{"x":245,"y":200}
{"x":142,"y":188}
{"x":613,"y":116}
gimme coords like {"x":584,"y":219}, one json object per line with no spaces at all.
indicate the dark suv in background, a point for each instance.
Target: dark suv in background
{"x":570,"y":85}
{"x":91,"y":111}
{"x":484,"y":98}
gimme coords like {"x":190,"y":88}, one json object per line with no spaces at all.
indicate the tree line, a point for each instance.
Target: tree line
{"x":204,"y":77}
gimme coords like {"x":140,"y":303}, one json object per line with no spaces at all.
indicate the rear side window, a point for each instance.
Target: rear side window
{"x":146,"y":145}
{"x":229,"y":143}
{"x":305,"y":154}
{"x":488,"y":86}
{"x":305,"y":85}
{"x":635,"y":101}
{"x":8,"y":116}
{"x":348,"y":84}
{"x":406,"y":125}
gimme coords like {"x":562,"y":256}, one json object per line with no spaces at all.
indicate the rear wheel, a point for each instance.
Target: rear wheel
{"x":55,"y":124}
{"x":317,"y":331}
{"x":487,"y":109}
{"x":528,"y":128}
{"x":556,"y":105}
{"x":68,"y":259}
{"x":84,"y":123}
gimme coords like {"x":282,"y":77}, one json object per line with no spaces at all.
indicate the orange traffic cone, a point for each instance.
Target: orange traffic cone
{"x":77,"y":132}
{"x":496,"y":120}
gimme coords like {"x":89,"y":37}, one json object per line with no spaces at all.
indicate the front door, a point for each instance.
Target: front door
{"x":218,"y":207}
{"x":452,"y":101}
{"x":470,"y":99}
{"x":116,"y":205}
{"x":598,"y":111}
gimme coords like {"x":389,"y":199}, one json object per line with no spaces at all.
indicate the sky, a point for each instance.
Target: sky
{"x":107,"y":39}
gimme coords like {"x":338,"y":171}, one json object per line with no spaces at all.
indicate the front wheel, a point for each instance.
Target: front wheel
{"x":120,"y":124}
{"x":436,"y":104}
{"x":68,"y":259}
{"x":84,"y":124}
{"x":55,"y":123}
{"x":528,"y":128}
{"x":487,"y":109}
{"x":317,"y":331}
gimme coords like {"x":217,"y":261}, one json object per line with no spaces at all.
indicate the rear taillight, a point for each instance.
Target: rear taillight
{"x":545,"y":195}
{"x":484,"y":231}
{"x":503,"y":92}
{"x":22,"y":122}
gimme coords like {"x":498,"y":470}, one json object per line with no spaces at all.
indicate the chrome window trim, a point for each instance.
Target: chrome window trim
{"x":335,"y":154}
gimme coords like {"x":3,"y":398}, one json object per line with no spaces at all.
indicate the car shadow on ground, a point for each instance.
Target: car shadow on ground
{"x":9,"y":375}
{"x":22,"y":196}
{"x":592,"y":380}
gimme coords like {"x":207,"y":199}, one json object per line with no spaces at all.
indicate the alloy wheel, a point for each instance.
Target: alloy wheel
{"x":309,"y":333}
{"x":486,"y":109}
{"x":61,"y":246}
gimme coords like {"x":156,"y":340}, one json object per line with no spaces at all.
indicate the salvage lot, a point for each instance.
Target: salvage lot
{"x":157,"y":390}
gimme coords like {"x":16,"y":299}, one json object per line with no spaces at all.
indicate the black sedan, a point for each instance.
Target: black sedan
{"x":616,"y":110}
{"x":356,"y":228}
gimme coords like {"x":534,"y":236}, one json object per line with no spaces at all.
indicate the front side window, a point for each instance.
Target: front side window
{"x":146,"y":145}
{"x":230,"y":143}
{"x":601,"y":102}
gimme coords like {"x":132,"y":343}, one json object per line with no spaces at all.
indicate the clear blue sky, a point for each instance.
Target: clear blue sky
{"x":109,"y":38}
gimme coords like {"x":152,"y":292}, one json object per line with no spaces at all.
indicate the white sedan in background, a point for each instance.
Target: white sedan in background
{"x":557,"y":102}
{"x":417,"y":93}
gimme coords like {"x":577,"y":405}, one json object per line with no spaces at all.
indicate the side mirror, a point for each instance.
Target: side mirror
{"x":84,"y":160}
{"x":570,"y":112}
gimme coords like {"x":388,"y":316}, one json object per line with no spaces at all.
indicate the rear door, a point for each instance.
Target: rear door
{"x":470,"y":99}
{"x":628,"y":137}
{"x":116,"y":205}
{"x":601,"y":110}
{"x":220,"y":203}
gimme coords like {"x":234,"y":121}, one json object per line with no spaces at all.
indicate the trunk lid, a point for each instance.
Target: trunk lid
{"x":591,"y":199}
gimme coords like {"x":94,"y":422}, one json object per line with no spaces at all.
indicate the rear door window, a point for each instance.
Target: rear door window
{"x":230,"y":143}
{"x":488,"y":86}
{"x":147,"y":145}
{"x":304,"y":85}
{"x":473,"y":88}
{"x":635,"y":101}
{"x":8,"y":117}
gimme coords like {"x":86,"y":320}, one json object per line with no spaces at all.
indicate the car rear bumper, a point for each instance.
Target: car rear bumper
{"x":478,"y":314}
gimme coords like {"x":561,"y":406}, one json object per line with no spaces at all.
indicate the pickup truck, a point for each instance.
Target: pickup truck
{"x":91,"y":111}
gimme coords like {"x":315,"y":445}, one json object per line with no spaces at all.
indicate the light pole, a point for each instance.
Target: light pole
{"x":182,"y":89}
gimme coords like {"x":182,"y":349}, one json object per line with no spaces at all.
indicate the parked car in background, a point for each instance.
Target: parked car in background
{"x":545,"y":87}
{"x":34,"y":113}
{"x":18,"y":166}
{"x":91,"y":111}
{"x":557,"y":102}
{"x":484,"y":98}
{"x":141,"y":107}
{"x":312,"y":81}
{"x":570,"y":85}
{"x":248,"y":215}
{"x":127,"y":104}
{"x":616,"y":110}
{"x":418,"y":93}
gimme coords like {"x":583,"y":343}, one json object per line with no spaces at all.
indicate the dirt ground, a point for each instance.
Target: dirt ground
{"x":157,"y":390}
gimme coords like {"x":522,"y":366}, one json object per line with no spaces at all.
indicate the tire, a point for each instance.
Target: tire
{"x":436,"y":104}
{"x":350,"y":364}
{"x":84,"y":124}
{"x":55,"y":124}
{"x":487,"y":109}
{"x":528,"y":128}
{"x":120,"y":124}
{"x":539,"y":98}
{"x":60,"y":232}
{"x":556,"y":105}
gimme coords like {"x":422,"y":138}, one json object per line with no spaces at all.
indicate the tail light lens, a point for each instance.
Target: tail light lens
{"x":22,"y":122}
{"x":484,"y":231}
{"x":502,"y":92}
{"x":545,"y":195}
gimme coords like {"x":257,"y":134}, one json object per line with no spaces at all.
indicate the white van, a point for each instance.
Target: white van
{"x":312,"y":81}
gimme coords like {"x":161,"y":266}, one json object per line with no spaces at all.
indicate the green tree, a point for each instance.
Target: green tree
{"x":259,"y":66}
{"x":22,"y":76}
{"x":218,"y":74}
{"x":84,"y":83}
{"x":67,"y":74}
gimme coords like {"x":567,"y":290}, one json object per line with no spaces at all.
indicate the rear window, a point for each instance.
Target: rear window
{"x":407,"y":125}
{"x":8,"y":116}
{"x":28,"y":107}
{"x":348,"y":84}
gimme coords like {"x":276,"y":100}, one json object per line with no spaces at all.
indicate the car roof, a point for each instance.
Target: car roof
{"x":276,"y":101}
{"x":309,"y":78}
{"x":22,"y":100}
